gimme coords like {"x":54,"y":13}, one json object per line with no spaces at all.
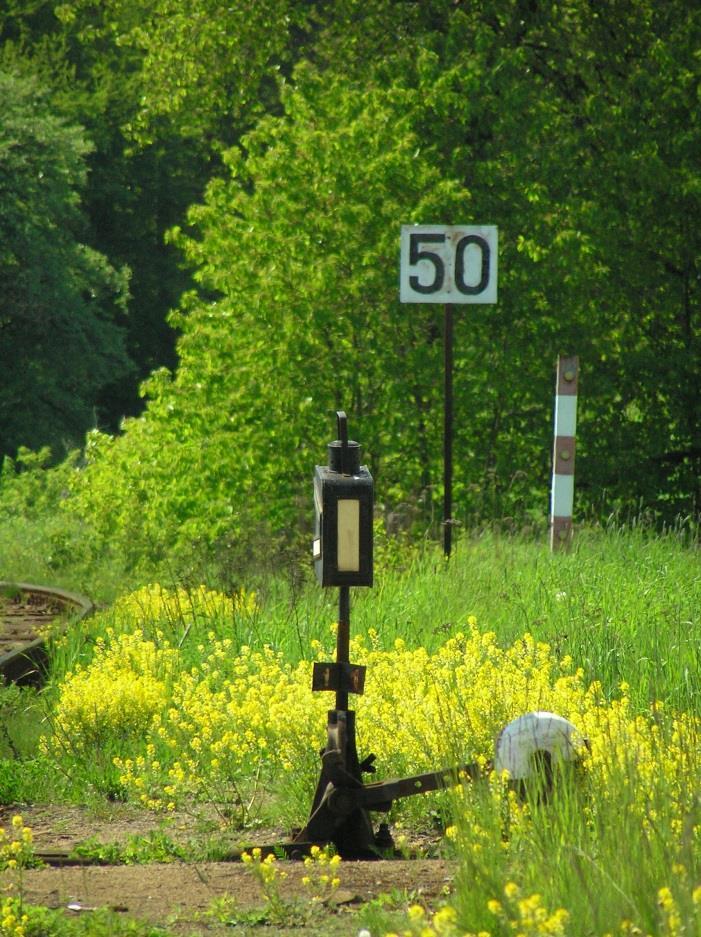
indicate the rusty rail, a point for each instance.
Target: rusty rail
{"x":27,"y":612}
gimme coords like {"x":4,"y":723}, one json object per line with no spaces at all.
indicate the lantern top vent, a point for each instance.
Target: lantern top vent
{"x":344,"y":453}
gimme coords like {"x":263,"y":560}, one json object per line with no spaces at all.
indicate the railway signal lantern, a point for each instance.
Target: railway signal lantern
{"x":342,"y":804}
{"x":343,"y":503}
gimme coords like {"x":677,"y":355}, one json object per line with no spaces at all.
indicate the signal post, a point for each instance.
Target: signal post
{"x":450,"y":265}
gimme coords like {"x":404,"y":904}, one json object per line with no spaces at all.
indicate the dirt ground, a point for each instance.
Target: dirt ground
{"x":182,"y":895}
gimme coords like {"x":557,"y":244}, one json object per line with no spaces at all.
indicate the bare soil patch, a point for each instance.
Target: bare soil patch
{"x":179,"y":895}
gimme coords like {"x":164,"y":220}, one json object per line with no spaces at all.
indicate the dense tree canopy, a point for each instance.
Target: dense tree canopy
{"x":322,"y":128}
{"x":504,"y":116}
{"x":132,"y":194}
{"x":59,"y":298}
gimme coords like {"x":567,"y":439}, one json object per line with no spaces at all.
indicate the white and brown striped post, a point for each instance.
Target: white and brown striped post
{"x":562,"y":495}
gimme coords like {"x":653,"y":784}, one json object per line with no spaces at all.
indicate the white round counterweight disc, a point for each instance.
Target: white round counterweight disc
{"x":519,"y":741}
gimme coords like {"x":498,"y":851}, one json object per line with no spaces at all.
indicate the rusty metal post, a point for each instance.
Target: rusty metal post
{"x":562,"y":495}
{"x":448,"y":429}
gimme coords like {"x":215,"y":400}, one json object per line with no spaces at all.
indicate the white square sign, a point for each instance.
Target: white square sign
{"x":448,"y":264}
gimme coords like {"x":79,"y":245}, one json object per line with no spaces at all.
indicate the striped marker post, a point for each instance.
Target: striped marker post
{"x":562,"y":495}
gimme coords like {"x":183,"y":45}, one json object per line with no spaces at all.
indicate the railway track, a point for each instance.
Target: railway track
{"x":27,"y":612}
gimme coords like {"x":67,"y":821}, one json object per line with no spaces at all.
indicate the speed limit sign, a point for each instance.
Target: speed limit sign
{"x":448,"y":264}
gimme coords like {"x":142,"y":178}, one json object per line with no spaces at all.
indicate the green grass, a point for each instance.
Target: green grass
{"x":45,"y":922}
{"x":625,"y":604}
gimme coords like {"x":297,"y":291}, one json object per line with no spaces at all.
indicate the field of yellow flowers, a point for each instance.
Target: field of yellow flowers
{"x":178,"y":701}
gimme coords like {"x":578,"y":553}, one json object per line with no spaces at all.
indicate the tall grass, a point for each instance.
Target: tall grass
{"x":621,"y":854}
{"x":625,"y":604}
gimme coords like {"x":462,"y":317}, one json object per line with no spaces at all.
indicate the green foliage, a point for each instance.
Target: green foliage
{"x":56,"y":293}
{"x":210,"y":71}
{"x":574,"y":133}
{"x":155,"y":846}
{"x":24,"y":774}
{"x":295,"y":255}
{"x":39,"y":541}
{"x":29,"y":779}
{"x":29,"y":490}
{"x":21,"y":919}
{"x":199,"y":66}
{"x":301,"y":330}
{"x":132,"y":194}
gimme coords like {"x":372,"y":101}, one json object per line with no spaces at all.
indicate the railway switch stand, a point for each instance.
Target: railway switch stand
{"x":342,"y":551}
{"x":343,"y":801}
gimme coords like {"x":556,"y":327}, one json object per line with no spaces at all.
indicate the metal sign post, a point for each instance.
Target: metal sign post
{"x":562,"y":492}
{"x":447,"y":429}
{"x":451,"y":265}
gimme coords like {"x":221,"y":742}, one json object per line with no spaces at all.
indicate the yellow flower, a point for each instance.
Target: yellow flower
{"x":444,"y":920}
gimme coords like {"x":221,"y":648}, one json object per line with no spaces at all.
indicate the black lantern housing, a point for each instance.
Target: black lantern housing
{"x":343,"y":511}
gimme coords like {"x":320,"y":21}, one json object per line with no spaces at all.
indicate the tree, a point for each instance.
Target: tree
{"x":133,"y":194}
{"x":203,"y":69}
{"x":59,"y":298}
{"x":546,"y":121}
{"x":607,"y":152}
